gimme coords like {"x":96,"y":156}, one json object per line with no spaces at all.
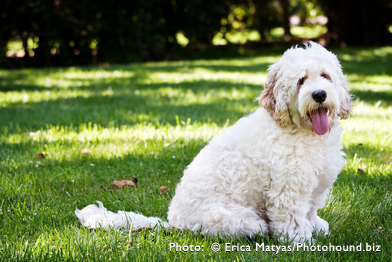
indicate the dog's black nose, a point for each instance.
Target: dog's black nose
{"x":319,"y":96}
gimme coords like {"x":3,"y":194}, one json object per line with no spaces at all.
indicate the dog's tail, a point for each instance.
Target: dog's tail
{"x":93,"y":216}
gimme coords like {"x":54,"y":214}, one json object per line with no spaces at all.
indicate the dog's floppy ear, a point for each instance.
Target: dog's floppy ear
{"x":345,"y":103}
{"x":274,"y":97}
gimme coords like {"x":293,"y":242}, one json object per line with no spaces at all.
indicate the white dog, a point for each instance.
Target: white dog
{"x":272,"y":170}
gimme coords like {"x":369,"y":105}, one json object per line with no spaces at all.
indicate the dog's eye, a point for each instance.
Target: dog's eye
{"x":301,"y":81}
{"x":326,"y":76}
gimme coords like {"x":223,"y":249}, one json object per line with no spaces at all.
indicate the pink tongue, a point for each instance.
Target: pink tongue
{"x":320,"y":121}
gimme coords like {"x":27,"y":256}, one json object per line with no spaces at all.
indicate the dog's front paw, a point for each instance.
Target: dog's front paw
{"x":319,"y":225}
{"x":297,"y":231}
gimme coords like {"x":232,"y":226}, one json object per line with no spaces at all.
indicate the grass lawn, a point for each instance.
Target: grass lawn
{"x":149,"y":121}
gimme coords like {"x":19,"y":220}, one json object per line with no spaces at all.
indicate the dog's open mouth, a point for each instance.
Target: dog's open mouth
{"x":319,"y":119}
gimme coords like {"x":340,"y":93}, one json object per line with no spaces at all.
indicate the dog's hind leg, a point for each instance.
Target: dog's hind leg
{"x":223,"y":219}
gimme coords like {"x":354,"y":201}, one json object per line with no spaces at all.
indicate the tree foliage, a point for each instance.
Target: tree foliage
{"x":77,"y":32}
{"x":68,"y":32}
{"x":360,"y":22}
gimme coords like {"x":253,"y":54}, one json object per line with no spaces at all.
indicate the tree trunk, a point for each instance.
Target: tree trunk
{"x":284,"y":4}
{"x":25,"y":47}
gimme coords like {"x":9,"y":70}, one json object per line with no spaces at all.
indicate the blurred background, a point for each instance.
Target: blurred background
{"x":36,"y":33}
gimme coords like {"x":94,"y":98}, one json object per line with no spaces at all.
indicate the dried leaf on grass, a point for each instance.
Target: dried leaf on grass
{"x":140,"y":229}
{"x":42,"y":154}
{"x":135,"y":180}
{"x":123,"y":183}
{"x":163,"y":190}
{"x":85,"y":151}
{"x":361,"y":172}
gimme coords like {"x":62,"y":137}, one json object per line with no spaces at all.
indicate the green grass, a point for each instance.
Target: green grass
{"x":301,"y":31}
{"x":149,"y":121}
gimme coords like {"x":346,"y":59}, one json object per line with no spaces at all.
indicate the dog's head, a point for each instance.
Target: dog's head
{"x":307,"y":88}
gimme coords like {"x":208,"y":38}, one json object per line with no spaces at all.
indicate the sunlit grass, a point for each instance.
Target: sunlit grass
{"x":149,"y":121}
{"x":308,"y":32}
{"x":301,"y":31}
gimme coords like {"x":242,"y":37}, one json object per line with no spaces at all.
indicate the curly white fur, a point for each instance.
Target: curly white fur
{"x":270,"y":172}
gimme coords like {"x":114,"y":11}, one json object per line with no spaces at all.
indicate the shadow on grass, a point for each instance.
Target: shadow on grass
{"x":364,"y":61}
{"x":128,"y":107}
{"x":358,"y":61}
{"x":372,"y":97}
{"x":24,"y":79}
